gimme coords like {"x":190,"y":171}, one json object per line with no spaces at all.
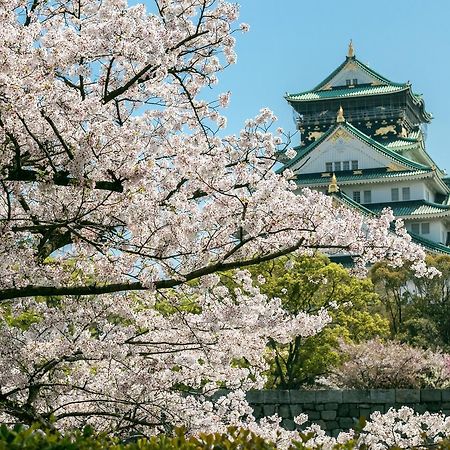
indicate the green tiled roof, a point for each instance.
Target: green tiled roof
{"x":356,"y":91}
{"x":359,"y":64}
{"x":412,"y":208}
{"x":366,"y":175}
{"x":429,"y":245}
{"x":302,"y":152}
{"x":381,"y":86}
{"x":401,"y":143}
{"x":417,"y":134}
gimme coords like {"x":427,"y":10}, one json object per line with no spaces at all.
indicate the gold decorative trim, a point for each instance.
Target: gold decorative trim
{"x":333,"y":186}
{"x":340,"y":134}
{"x":340,"y":115}
{"x":351,"y":50}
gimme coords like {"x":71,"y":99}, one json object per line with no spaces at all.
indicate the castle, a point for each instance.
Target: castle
{"x":363,"y":140}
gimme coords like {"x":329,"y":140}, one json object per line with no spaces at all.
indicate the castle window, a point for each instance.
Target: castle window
{"x":354,"y":165}
{"x":337,"y":166}
{"x":415,"y":228}
{"x":406,"y":193}
{"x":357,"y":196}
{"x":394,"y":194}
{"x":348,"y":82}
{"x":346,"y":165}
{"x":425,"y":228}
{"x":355,"y":81}
{"x":367,"y":196}
{"x":328,"y":167}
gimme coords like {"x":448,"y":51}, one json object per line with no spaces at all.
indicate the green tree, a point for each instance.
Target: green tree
{"x":391,"y":285}
{"x":418,"y":308}
{"x":310,"y":284}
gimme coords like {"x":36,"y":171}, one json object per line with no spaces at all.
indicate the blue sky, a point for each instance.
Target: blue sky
{"x":294,"y":44}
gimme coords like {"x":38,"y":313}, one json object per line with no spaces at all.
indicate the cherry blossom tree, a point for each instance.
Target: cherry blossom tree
{"x":122,"y":197}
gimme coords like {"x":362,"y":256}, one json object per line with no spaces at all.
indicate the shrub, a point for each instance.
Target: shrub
{"x":377,"y":365}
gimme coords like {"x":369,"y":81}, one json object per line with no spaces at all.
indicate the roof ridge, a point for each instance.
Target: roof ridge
{"x":385,"y":149}
{"x":362,"y":66}
{"x":421,"y":201}
{"x":428,"y":244}
{"x":352,"y":129}
{"x":364,"y":89}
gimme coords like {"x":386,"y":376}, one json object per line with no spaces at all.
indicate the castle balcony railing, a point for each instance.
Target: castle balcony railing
{"x":377,"y":113}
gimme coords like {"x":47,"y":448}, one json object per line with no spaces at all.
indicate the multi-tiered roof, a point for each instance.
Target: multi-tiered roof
{"x":369,"y":100}
{"x":353,"y":110}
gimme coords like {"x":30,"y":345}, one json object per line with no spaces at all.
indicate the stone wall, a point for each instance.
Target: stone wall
{"x":336,"y":410}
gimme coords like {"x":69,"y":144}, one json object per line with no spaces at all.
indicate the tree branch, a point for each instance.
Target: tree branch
{"x":98,"y":289}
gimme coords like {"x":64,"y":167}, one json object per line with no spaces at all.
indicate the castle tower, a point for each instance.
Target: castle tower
{"x":369,"y":133}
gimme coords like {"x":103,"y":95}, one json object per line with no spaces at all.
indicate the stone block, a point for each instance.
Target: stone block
{"x":258,"y":411}
{"x":353,"y":411}
{"x":433,"y":407}
{"x":296,"y":410}
{"x":320,"y":407}
{"x":314,"y":415}
{"x":346,"y":423}
{"x":364,"y":412}
{"x":430,"y":395}
{"x":302,"y":396}
{"x":329,"y":396}
{"x":343,"y":409}
{"x":331,"y":406}
{"x":255,"y":397}
{"x":271,"y":396}
{"x":269,"y":410}
{"x":284,"y":396}
{"x":335,"y":432}
{"x":332,"y":425}
{"x":285,"y":411}
{"x":355,"y":396}
{"x":288,"y":424}
{"x":328,"y":414}
{"x":309,"y":406}
{"x":378,"y":407}
{"x":405,"y":396}
{"x":445,"y":405}
{"x":445,"y":395}
{"x":382,"y":396}
{"x":421,"y":409}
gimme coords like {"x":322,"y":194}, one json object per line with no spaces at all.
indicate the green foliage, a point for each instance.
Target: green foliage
{"x":22,"y":321}
{"x":34,"y":439}
{"x":21,"y":438}
{"x":418,"y":308}
{"x":310,"y":284}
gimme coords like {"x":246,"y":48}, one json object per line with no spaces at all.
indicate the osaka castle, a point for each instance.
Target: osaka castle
{"x":363,"y":140}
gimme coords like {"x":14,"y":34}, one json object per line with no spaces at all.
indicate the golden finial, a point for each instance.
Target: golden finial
{"x":351,"y":51}
{"x":333,"y":186}
{"x":340,"y":115}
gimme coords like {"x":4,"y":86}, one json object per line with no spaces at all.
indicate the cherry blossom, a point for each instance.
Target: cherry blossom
{"x":120,"y":200}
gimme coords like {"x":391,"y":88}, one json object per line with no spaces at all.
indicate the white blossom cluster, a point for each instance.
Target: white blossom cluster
{"x":121,"y":361}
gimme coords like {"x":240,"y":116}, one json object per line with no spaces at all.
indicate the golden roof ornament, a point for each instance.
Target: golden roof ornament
{"x":340,"y":115}
{"x":333,"y":186}
{"x":351,"y":50}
